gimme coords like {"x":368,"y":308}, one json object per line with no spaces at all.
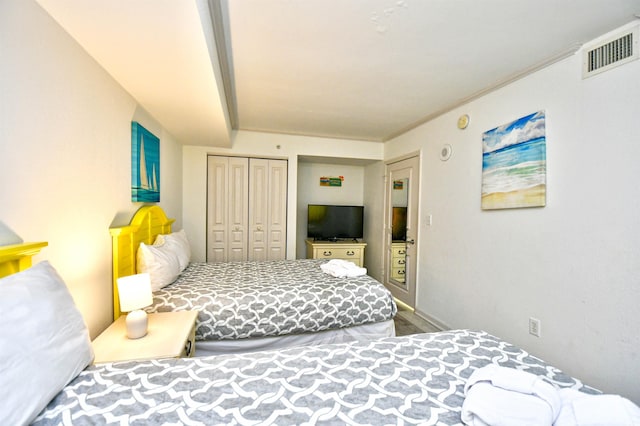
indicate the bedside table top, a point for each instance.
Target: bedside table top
{"x":165,"y":338}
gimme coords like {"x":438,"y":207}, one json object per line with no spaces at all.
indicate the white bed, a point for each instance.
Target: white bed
{"x":248,"y":306}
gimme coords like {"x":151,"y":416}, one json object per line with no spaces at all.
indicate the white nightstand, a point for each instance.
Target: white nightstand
{"x":170,"y":335}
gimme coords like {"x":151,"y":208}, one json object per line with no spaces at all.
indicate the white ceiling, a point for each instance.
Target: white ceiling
{"x":357,"y":69}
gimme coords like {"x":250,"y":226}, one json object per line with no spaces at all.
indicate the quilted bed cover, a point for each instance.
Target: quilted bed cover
{"x":417,"y":379}
{"x":239,"y":300}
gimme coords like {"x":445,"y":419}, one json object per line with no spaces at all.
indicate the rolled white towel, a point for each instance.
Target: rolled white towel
{"x":497,"y":395}
{"x":340,"y":268}
{"x":581,"y":409}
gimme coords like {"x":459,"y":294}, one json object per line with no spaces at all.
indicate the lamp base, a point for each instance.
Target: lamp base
{"x":136,"y":324}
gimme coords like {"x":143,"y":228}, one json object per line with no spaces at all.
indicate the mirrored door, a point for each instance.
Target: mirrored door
{"x":399,"y":203}
{"x":402,"y":229}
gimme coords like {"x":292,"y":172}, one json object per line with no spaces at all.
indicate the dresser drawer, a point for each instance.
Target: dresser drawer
{"x":398,"y":273}
{"x":398,"y":262}
{"x":398,"y":251}
{"x":190,"y":344}
{"x":337,"y":253}
{"x":347,"y":250}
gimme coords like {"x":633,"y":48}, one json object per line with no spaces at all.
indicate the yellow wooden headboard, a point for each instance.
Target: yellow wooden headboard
{"x":146,"y":224}
{"x":17,"y":257}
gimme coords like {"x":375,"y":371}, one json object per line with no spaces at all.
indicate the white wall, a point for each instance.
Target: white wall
{"x":65,"y":153}
{"x":573,"y":264}
{"x":265,"y":145}
{"x":310,"y":192}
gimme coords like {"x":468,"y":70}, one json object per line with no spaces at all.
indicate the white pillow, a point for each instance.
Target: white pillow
{"x":44,"y":342}
{"x":160,"y":262}
{"x":178,"y":242}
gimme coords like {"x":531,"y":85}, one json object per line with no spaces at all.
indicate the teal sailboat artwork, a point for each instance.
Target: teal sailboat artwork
{"x":154,"y":179}
{"x":144,"y":179}
{"x":145,"y":157}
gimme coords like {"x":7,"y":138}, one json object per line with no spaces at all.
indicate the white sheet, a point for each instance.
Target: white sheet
{"x":349,"y":334}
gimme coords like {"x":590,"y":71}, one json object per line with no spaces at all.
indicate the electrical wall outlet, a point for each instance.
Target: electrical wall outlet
{"x":534,"y":327}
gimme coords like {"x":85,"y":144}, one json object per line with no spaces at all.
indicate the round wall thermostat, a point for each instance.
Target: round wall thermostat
{"x":463,"y":121}
{"x":445,"y":152}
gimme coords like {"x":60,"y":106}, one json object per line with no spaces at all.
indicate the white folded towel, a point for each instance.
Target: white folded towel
{"x":497,"y":395}
{"x":342,"y":268}
{"x":581,"y":409}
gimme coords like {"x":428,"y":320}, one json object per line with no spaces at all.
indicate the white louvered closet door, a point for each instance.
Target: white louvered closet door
{"x":238,"y":208}
{"x":217,"y":208}
{"x":246,"y":209}
{"x":277,"y":208}
{"x":267,"y":209}
{"x":227,"y":208}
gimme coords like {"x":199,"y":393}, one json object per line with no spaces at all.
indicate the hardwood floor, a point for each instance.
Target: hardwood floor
{"x":407,"y":322}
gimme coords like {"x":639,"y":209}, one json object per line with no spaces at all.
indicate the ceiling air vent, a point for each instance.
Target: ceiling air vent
{"x":616,"y":50}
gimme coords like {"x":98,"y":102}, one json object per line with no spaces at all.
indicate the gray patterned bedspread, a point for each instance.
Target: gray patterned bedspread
{"x":239,"y":300}
{"x":410,"y":379}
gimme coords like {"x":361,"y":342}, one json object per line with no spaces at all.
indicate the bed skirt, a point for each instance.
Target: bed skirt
{"x":348,"y":334}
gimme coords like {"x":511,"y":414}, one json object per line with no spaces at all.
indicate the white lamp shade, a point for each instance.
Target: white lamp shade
{"x":134,"y":292}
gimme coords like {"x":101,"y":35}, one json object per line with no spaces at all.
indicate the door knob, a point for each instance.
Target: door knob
{"x":410,"y":241}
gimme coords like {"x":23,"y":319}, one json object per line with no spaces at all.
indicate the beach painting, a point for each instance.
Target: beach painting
{"x":145,"y":165}
{"x":514,"y":164}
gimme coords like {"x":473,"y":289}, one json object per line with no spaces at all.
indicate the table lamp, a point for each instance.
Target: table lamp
{"x":135,"y":293}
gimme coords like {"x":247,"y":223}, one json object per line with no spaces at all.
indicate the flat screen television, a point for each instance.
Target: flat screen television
{"x":331,"y":222}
